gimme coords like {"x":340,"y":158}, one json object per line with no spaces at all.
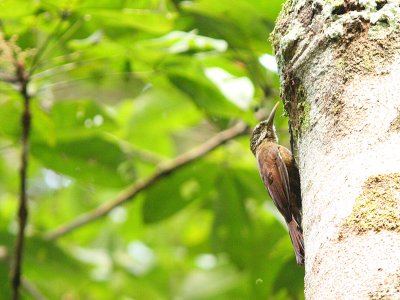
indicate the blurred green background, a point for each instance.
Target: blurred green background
{"x":120,"y":86}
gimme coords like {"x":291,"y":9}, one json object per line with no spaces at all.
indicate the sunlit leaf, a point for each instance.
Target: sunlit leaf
{"x":181,"y":42}
{"x":118,"y":88}
{"x":16,"y":8}
{"x":143,"y":19}
{"x":189,"y":77}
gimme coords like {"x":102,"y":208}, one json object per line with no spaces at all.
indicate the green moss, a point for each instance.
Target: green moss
{"x":302,"y":119}
{"x":297,"y":107}
{"x":377,"y":208}
{"x":304,"y":107}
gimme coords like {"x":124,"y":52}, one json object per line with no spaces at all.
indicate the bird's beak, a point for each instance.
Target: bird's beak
{"x":270,"y":120}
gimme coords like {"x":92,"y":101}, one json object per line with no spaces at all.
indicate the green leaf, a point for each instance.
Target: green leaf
{"x":121,"y":86}
{"x":242,"y":25}
{"x":79,"y":118}
{"x":144,"y":19}
{"x":183,"y":42}
{"x":91,"y":159}
{"x":91,"y":40}
{"x":46,"y":265}
{"x":10,"y":9}
{"x":151,"y":119}
{"x":10,"y":112}
{"x":188,"y":75}
{"x":291,"y":280}
{"x":232,"y":227}
{"x":250,"y":183}
{"x":178,"y":190}
{"x":268,"y":10}
{"x":212,"y":284}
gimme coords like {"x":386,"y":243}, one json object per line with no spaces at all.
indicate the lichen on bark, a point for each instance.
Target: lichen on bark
{"x":296,"y":100}
{"x":386,"y":289}
{"x":395,"y":124}
{"x":362,"y":36}
{"x":339,"y":74}
{"x":304,"y":118}
{"x":377,"y":208}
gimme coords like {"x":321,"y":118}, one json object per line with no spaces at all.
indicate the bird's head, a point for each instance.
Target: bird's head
{"x":264,"y":130}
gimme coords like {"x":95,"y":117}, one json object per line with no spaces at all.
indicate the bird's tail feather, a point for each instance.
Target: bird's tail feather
{"x":296,"y":236}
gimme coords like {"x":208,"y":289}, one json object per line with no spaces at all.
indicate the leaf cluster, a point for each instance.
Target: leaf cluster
{"x":117,"y":88}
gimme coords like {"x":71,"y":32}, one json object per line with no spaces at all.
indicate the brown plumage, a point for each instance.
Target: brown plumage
{"x":281,"y":177}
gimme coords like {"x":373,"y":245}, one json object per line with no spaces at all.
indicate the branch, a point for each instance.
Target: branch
{"x":23,"y":201}
{"x":145,"y":156}
{"x":163,"y":169}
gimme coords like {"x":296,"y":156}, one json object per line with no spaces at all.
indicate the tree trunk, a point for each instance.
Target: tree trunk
{"x":339,"y":65}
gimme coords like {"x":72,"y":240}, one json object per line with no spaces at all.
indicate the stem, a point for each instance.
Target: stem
{"x":23,"y":201}
{"x":164,"y":169}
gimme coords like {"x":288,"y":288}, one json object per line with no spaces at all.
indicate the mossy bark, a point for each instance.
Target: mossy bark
{"x":339,"y":64}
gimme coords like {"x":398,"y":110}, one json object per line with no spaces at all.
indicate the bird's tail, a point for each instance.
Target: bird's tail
{"x":296,"y":236}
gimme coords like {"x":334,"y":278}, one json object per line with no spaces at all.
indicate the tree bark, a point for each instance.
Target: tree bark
{"x":339,"y":63}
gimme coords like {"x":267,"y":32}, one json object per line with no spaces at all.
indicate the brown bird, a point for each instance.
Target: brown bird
{"x":281,"y":177}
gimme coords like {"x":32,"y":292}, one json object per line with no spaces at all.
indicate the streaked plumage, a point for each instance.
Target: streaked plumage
{"x":281,"y":177}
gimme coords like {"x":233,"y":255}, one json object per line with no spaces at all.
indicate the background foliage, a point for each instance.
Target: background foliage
{"x":120,"y":87}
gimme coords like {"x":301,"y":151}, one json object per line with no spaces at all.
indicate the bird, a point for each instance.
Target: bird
{"x":280,"y":174}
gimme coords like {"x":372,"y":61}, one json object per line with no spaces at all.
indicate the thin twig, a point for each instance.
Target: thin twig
{"x":65,"y":83}
{"x":146,"y":156}
{"x":162,"y":170}
{"x":61,"y":40}
{"x":32,"y":290}
{"x":23,"y":201}
{"x":44,"y":46}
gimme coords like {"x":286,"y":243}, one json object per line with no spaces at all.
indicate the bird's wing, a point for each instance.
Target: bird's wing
{"x":294,"y":177}
{"x":275,"y":177}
